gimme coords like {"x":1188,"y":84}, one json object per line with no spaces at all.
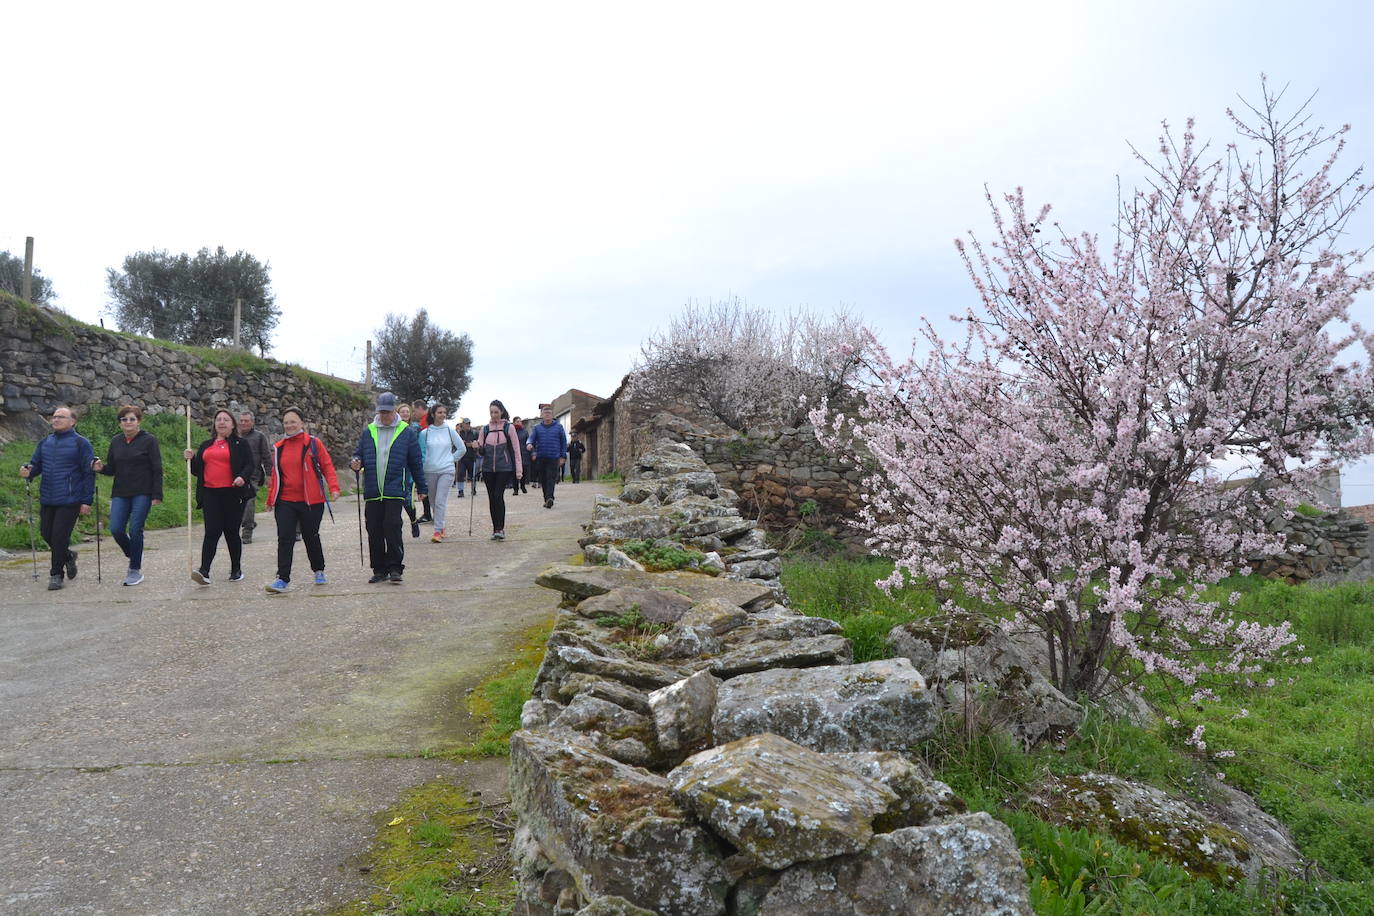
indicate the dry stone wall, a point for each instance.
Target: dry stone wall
{"x":1335,"y":544}
{"x":694,"y":746}
{"x":47,"y":359}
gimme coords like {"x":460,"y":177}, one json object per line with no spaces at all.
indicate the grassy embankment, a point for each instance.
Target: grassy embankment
{"x":1305,"y":751}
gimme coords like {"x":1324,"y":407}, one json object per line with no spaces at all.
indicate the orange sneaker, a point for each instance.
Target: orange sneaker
{"x":437,"y":538}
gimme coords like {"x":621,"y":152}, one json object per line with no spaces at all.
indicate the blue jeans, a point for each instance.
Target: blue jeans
{"x":133,"y":512}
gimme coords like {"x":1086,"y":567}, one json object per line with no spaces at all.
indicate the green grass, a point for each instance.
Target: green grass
{"x":439,"y":852}
{"x":498,"y":701}
{"x":1305,"y":751}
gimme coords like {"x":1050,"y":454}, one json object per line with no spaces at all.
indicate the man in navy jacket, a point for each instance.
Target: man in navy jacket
{"x":64,"y":460}
{"x":548,"y":443}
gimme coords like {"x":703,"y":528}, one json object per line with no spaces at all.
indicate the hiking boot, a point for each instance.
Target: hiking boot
{"x":71,"y":564}
{"x":319,"y":577}
{"x":376,"y":577}
{"x":395,"y":578}
{"x":54,"y":582}
{"x":235,"y":575}
{"x":277,"y":586}
{"x":548,"y":504}
{"x":414,"y":529}
{"x":133,"y":577}
{"x":200,"y":577}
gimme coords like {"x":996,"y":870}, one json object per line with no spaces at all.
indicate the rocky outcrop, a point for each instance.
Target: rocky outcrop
{"x":1153,"y":821}
{"x":1327,"y":545}
{"x":696,"y":746}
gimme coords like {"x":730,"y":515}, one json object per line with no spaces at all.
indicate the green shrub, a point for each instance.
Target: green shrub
{"x":657,"y":556}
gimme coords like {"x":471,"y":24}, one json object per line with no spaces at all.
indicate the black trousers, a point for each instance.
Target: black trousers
{"x":575,"y":467}
{"x":308,"y":517}
{"x":547,"y":471}
{"x":385,"y":546}
{"x":56,"y":524}
{"x":223,"y":509}
{"x":496,"y":482}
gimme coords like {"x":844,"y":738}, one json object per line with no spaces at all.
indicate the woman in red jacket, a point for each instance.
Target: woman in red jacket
{"x":222,"y":465}
{"x":301,"y":472}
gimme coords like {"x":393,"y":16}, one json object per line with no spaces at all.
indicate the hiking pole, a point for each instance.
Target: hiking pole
{"x":190,"y":550}
{"x":472,"y":486}
{"x":33,"y":545}
{"x":97,"y":534}
{"x":358,"y":498}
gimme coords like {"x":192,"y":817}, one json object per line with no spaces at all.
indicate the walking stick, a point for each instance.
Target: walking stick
{"x":97,"y":534}
{"x":358,"y":498}
{"x":473,"y":487}
{"x":33,"y":545}
{"x":190,"y":549}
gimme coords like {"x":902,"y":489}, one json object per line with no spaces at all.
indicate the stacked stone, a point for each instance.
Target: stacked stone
{"x":696,"y":747}
{"x":671,"y":497}
{"x":46,"y":362}
{"x":1324,"y":545}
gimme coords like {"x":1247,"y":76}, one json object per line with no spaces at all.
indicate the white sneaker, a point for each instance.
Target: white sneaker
{"x":134,"y":577}
{"x":200,"y":578}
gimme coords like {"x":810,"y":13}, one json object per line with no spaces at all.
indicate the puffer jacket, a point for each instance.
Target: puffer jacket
{"x":63,"y":461}
{"x":403,"y":464}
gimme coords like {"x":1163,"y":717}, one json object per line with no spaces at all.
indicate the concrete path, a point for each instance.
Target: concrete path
{"x":171,"y":748}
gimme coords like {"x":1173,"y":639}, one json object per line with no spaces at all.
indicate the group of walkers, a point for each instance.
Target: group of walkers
{"x":406,"y":451}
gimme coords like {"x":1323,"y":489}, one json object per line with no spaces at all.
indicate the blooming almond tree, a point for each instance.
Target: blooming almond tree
{"x":747,"y":367}
{"x":1061,"y":460}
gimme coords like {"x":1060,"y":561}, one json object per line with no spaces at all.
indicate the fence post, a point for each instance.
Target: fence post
{"x":26,"y":287}
{"x":238,"y":320}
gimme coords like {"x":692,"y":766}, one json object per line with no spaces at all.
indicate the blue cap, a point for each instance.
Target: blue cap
{"x":386,"y":401}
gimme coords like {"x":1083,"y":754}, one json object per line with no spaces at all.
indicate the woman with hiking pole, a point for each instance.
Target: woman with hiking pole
{"x":222,"y":465}
{"x":66,"y":462}
{"x":134,"y":460}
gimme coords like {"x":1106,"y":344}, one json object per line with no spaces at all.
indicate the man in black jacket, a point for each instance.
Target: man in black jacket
{"x":262,"y":466}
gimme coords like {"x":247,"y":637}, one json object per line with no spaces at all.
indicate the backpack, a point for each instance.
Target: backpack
{"x":510,"y":447}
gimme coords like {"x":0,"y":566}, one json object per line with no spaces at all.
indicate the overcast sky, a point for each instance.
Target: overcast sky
{"x":556,"y":180}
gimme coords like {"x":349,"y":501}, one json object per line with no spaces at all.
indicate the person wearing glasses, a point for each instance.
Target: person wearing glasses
{"x":134,"y":460}
{"x":66,"y":462}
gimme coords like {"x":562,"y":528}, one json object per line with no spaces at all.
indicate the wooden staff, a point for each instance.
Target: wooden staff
{"x":190,"y":549}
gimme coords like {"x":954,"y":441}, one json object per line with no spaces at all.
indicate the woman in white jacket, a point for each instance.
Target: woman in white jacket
{"x":442,"y":449}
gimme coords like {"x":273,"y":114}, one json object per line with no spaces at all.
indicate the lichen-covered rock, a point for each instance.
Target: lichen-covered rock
{"x":782,"y":653}
{"x":537,"y":713}
{"x":713,"y":561}
{"x":877,"y":706}
{"x":687,"y":642}
{"x":619,"y":559}
{"x":965,"y":865}
{"x":1147,"y":819}
{"x":539,"y":882}
{"x":616,"y":692}
{"x":579,"y":582}
{"x":682,"y":713}
{"x":779,"y":802}
{"x":717,"y":613}
{"x":1270,"y":842}
{"x":970,"y":663}
{"x":756,"y":569}
{"x":616,"y":829}
{"x":921,"y":798}
{"x":563,"y":661}
{"x":781,"y":624}
{"x":613,"y":906}
{"x":656,"y":605}
{"x":612,"y":729}
{"x":595,"y":554}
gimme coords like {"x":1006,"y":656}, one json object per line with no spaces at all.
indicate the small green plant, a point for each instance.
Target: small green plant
{"x":808,"y":508}
{"x":658,"y":556}
{"x":1308,"y":511}
{"x":738,"y":447}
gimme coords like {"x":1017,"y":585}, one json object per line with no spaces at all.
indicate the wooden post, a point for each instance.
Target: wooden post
{"x":26,"y":287}
{"x":238,"y":320}
{"x":367,"y":384}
